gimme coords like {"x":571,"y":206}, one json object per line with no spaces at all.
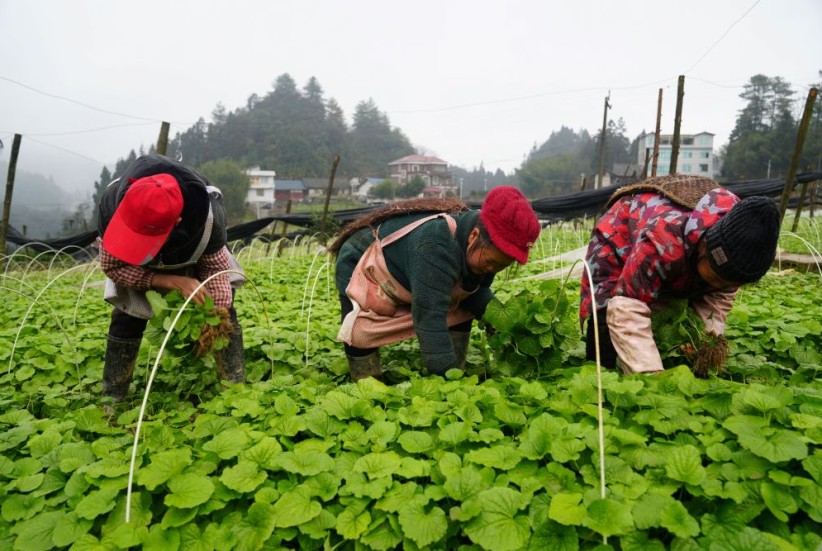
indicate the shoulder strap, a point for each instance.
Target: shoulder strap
{"x":405,"y":230}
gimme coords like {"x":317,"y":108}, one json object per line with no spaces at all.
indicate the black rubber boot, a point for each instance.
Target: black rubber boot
{"x":121,"y":357}
{"x":230,"y":360}
{"x":460,"y":340}
{"x":361,"y":367}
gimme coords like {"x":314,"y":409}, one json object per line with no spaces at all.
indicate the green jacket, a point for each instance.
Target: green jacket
{"x":428,"y":262}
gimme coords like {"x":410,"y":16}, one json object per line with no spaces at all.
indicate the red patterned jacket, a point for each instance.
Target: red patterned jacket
{"x":644,"y":248}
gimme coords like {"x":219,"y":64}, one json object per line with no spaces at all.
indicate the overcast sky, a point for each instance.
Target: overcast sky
{"x":467,"y":80}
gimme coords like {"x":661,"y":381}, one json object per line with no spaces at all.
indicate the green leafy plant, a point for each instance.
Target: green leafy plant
{"x":532,"y":329}
{"x":200,"y":331}
{"x":681,"y":337}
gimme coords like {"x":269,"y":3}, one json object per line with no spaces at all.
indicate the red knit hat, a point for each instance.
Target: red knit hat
{"x":510,"y":221}
{"x":144,"y":219}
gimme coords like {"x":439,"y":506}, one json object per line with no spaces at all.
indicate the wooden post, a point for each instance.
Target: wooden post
{"x":797,"y":153}
{"x":162,"y":141}
{"x":329,"y":191}
{"x":799,"y":205}
{"x":15,"y":151}
{"x":285,"y":229}
{"x":680,"y":93}
{"x":656,"y":134}
{"x":602,"y":142}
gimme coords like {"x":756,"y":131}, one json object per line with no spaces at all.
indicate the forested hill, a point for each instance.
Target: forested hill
{"x":296,"y":132}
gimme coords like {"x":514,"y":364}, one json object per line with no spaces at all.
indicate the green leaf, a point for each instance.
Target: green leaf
{"x":776,"y":445}
{"x":566,"y":448}
{"x":175,"y":517}
{"x":463,"y":484}
{"x":243,"y":477}
{"x":188,"y":490}
{"x":499,"y":526}
{"x":163,"y":466}
{"x":378,"y":465}
{"x":779,"y":500}
{"x":317,"y":528}
{"x":454,"y":433}
{"x":609,"y":517}
{"x":295,"y":508}
{"x":255,"y":527}
{"x":421,"y":527}
{"x":306,"y":464}
{"x":556,"y":537}
{"x":21,"y":506}
{"x":97,"y":503}
{"x":382,"y":536}
{"x":75,"y":455}
{"x":264,"y":453}
{"x":685,"y":464}
{"x":35,"y":534}
{"x":352,"y":522}
{"x":228,"y":444}
{"x":344,"y":406}
{"x":499,"y":457}
{"x":676,"y":519}
{"x":69,"y":528}
{"x":415,"y":441}
{"x":813,"y":465}
{"x":44,"y":443}
{"x":567,"y":509}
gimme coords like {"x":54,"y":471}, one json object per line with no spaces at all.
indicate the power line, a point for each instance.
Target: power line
{"x":533,"y":96}
{"x":73,"y":132}
{"x":65,"y":150}
{"x":64,"y":98}
{"x":723,"y":36}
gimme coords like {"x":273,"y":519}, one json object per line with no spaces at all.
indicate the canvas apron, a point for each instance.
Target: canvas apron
{"x":382,"y":307}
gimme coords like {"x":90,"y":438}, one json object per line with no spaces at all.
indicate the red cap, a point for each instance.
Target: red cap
{"x":510,"y":221}
{"x":144,"y":219}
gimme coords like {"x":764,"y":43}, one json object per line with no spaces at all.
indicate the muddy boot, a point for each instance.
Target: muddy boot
{"x":230,"y":360}
{"x":460,"y":340}
{"x":361,"y":367}
{"x":121,"y":356}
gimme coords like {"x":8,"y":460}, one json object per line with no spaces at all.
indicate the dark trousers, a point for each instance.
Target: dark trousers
{"x":607,"y":353}
{"x":346,"y":307}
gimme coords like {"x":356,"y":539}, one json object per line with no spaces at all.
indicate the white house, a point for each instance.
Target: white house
{"x":696,"y":154}
{"x":261,"y":188}
{"x":361,"y":186}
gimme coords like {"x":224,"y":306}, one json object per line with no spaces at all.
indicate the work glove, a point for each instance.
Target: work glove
{"x":629,"y":323}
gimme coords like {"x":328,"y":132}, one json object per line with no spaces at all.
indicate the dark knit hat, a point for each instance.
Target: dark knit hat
{"x":742,"y":245}
{"x":511,"y":223}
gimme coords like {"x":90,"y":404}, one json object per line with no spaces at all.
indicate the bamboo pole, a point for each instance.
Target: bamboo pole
{"x":329,"y":191}
{"x":797,"y":154}
{"x":162,"y":141}
{"x":15,"y":151}
{"x":656,"y":134}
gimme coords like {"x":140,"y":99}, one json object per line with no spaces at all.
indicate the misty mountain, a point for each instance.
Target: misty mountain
{"x":39,"y":204}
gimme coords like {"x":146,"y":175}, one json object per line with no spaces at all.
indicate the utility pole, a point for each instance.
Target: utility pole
{"x":656,"y":133}
{"x":680,"y":93}
{"x":602,"y":141}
